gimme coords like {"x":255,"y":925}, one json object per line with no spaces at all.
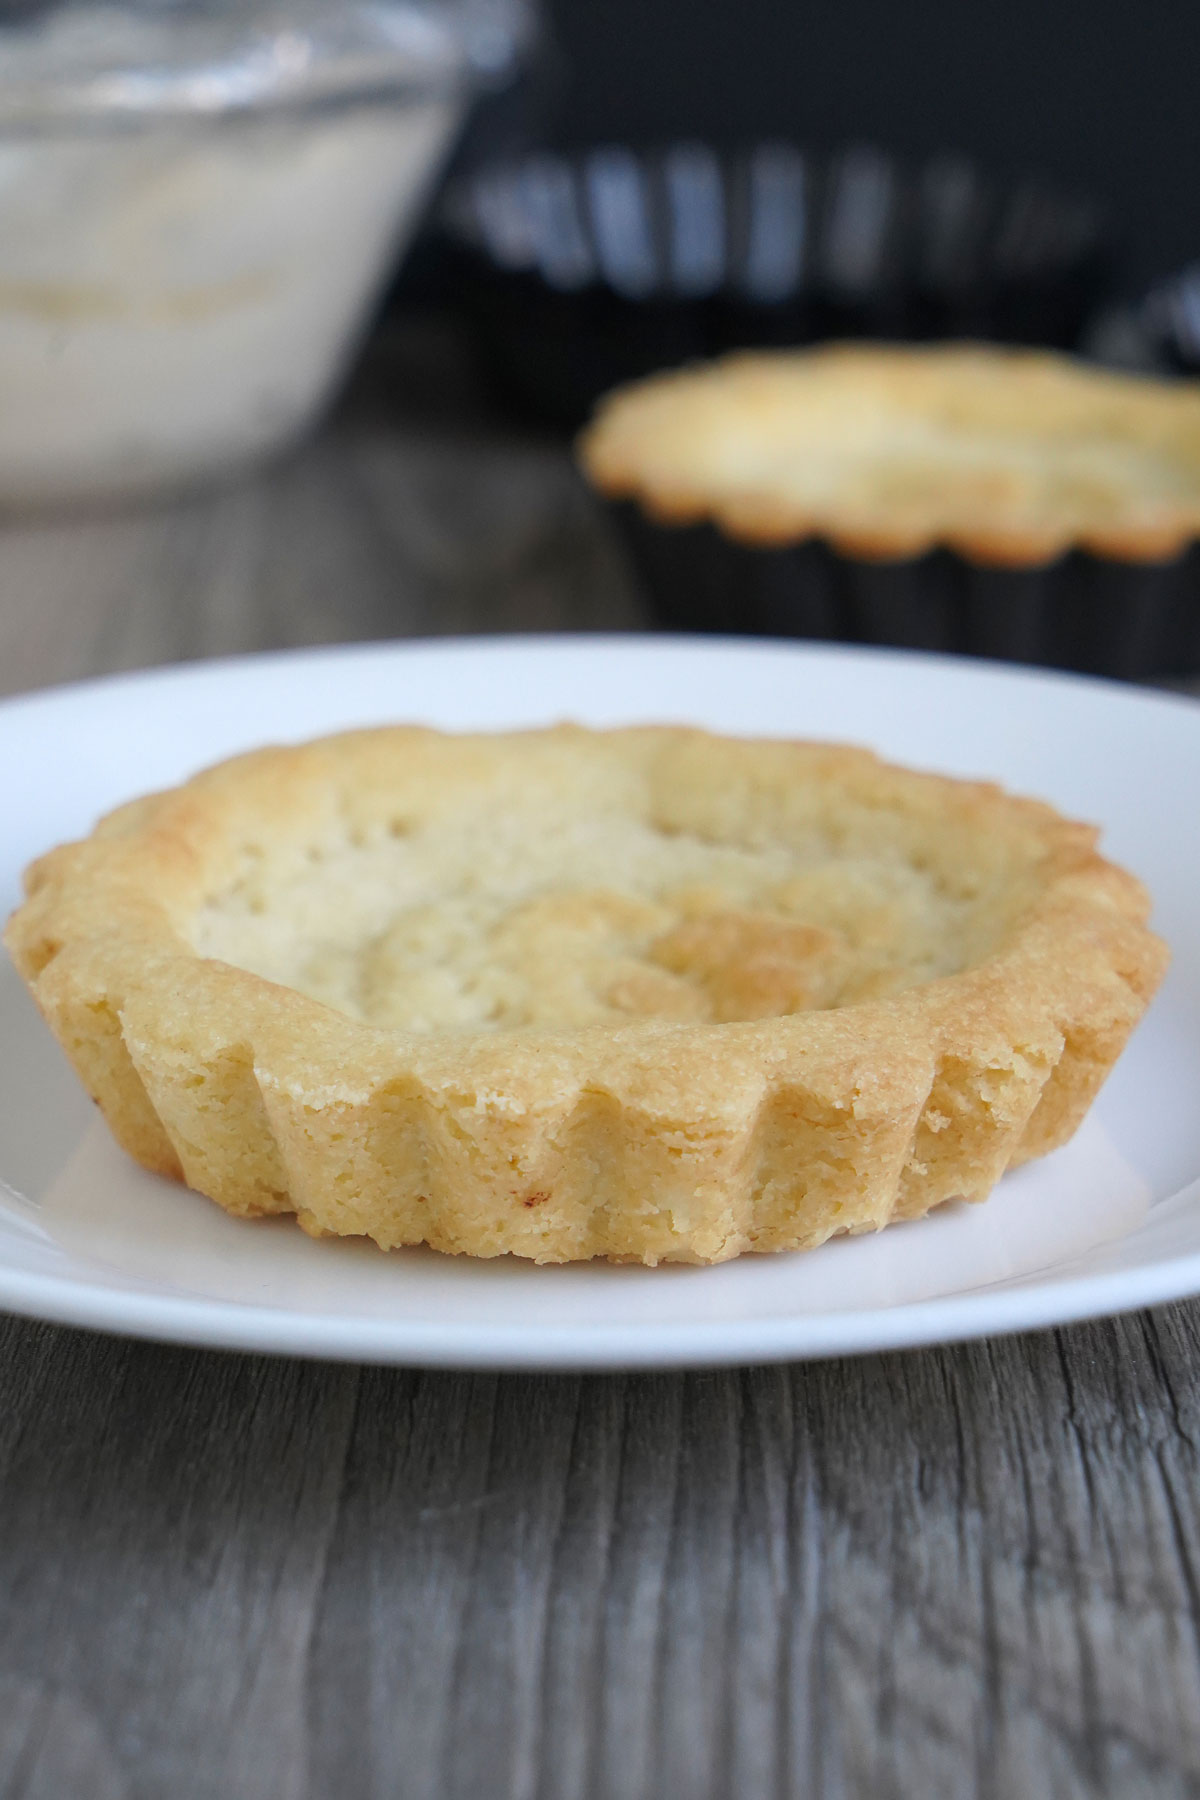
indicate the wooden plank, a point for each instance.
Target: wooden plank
{"x":419,"y":529}
{"x":965,"y":1571}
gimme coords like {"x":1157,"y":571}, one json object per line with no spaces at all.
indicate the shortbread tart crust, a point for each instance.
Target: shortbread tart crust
{"x":618,"y":1071}
{"x":1008,"y":457}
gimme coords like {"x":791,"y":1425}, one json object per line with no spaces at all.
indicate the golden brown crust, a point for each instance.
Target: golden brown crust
{"x":755,"y":1058}
{"x":1009,"y":457}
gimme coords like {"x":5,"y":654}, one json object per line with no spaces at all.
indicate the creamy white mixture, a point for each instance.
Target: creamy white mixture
{"x":179,"y":295}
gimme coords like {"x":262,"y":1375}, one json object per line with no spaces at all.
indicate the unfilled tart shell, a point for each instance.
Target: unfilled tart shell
{"x":1011,"y":458}
{"x":646,"y":994}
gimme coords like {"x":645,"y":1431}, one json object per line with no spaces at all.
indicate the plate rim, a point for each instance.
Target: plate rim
{"x":983,"y":668}
{"x":1031,"y":1304}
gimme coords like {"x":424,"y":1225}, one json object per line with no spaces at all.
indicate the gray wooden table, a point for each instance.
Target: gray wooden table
{"x":967,"y":1571}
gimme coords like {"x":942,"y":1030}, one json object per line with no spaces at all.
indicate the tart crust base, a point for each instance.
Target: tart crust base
{"x":646,"y":1141}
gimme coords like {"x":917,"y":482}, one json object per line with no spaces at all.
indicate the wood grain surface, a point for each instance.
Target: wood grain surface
{"x":956,"y":1572}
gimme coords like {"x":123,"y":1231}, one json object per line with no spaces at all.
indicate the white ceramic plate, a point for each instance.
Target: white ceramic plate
{"x":1109,"y":1223}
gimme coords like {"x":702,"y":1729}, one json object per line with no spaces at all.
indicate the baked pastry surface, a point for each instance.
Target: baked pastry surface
{"x":646,"y":994}
{"x":1010,"y":457}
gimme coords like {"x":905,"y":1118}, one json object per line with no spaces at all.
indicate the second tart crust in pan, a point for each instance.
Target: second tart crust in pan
{"x":1008,"y":457}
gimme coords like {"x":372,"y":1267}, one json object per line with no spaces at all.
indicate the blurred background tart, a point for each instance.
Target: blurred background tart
{"x":958,"y":497}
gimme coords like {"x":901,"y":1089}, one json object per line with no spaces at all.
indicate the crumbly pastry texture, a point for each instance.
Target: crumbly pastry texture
{"x":1010,"y":457}
{"x":645,"y":994}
